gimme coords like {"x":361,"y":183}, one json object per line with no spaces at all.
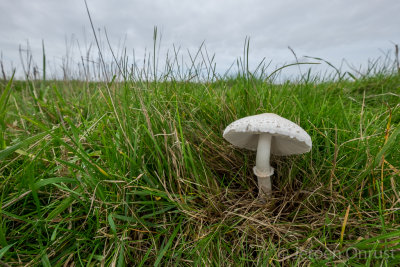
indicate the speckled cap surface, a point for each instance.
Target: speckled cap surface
{"x":288,"y":138}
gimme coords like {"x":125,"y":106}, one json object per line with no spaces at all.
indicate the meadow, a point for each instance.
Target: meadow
{"x":132,"y":170}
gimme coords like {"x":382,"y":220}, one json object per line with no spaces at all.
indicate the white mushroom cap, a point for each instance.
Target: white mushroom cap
{"x":288,"y":138}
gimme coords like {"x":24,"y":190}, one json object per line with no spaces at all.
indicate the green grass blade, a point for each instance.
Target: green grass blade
{"x":167,"y":245}
{"x":9,"y":150}
{"x":5,"y":249}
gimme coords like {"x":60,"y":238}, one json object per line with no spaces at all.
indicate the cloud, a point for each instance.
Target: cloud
{"x":337,"y":29}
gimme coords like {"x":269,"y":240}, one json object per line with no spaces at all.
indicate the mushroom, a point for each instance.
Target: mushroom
{"x":267,"y":133}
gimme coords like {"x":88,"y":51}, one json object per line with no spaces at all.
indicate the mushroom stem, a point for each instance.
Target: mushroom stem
{"x":263,"y":169}
{"x":264,"y":186}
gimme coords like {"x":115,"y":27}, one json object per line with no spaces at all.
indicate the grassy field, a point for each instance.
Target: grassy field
{"x":134,"y":171}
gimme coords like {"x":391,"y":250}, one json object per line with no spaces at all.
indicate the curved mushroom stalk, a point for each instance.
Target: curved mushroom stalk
{"x":263,"y":169}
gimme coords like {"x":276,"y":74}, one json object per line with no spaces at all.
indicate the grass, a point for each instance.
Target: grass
{"x":134,"y":170}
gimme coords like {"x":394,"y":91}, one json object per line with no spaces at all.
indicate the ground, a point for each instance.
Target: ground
{"x":136,"y":172}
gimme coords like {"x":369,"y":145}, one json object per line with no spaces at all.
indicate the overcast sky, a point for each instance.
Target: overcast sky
{"x":355,"y":30}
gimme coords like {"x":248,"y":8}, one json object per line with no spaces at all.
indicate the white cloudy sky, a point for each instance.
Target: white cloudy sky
{"x":355,"y":30}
